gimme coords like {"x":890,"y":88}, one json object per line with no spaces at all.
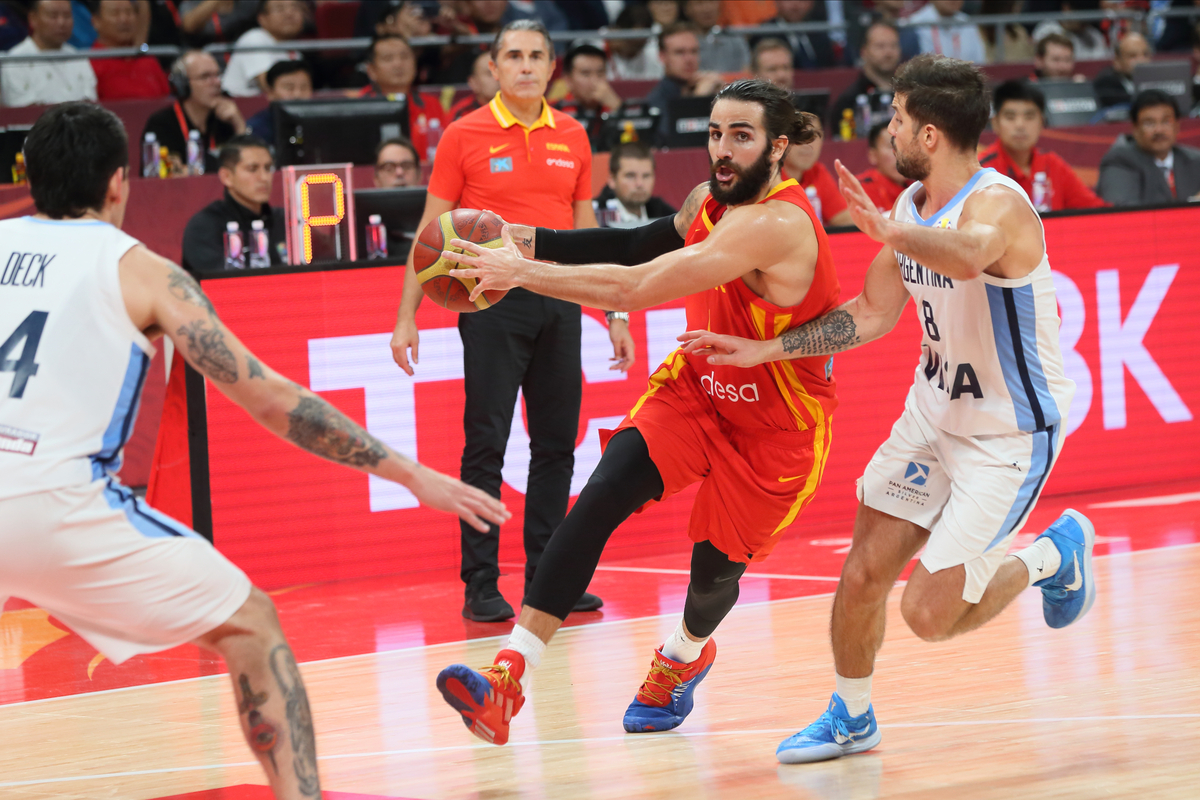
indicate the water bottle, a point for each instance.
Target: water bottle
{"x":885,"y":107}
{"x":260,"y":245}
{"x":1041,"y":195}
{"x":150,"y":155}
{"x":195,"y":154}
{"x":846,"y":128}
{"x":234,"y":258}
{"x":862,"y":116}
{"x":432,"y":137}
{"x":376,"y":237}
{"x":18,"y":169}
{"x":814,"y":199}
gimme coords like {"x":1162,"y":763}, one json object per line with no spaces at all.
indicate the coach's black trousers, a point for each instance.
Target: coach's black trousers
{"x":526,"y":342}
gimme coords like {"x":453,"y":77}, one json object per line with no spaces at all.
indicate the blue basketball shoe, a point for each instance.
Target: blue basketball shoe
{"x":1069,"y":594}
{"x":665,"y":699}
{"x":833,"y":735}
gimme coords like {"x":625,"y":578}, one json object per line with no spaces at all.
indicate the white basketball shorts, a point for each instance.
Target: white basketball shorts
{"x":972,"y":493}
{"x":125,"y":577}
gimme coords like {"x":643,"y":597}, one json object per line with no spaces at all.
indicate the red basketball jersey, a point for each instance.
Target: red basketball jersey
{"x":799,"y":394}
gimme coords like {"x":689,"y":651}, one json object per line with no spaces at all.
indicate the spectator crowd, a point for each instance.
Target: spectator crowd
{"x":625,"y":92}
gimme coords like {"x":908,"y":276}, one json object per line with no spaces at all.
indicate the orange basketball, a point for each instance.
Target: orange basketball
{"x":481,"y":227}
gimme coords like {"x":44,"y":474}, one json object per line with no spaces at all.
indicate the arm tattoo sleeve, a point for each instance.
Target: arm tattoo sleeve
{"x":825,"y":335}
{"x":206,"y":347}
{"x":321,"y":429}
{"x":184,"y":287}
{"x":299,"y":717}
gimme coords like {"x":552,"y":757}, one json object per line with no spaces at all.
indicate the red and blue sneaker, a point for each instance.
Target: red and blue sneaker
{"x":487,"y":699}
{"x":665,"y":699}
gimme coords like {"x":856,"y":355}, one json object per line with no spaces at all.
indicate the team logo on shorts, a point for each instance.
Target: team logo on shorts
{"x":501,"y":164}
{"x":916,"y":474}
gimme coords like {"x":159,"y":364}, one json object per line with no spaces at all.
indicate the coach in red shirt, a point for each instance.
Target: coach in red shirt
{"x":122,"y":78}
{"x":1048,"y":180}
{"x":530,"y":164}
{"x":883,"y":183}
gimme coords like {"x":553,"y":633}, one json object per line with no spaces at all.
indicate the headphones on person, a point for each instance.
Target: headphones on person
{"x":177,"y":78}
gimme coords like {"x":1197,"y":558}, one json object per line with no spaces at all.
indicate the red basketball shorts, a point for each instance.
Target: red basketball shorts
{"x":754,"y":481}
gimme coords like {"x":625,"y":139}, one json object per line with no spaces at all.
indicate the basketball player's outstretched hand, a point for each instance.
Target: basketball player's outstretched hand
{"x":497,"y":269}
{"x":724,"y":350}
{"x":444,"y":493}
{"x":862,"y":208}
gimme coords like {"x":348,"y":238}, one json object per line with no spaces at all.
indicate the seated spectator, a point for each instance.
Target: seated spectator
{"x":880,"y":57}
{"x":635,"y":59}
{"x":392,"y":69}
{"x":1090,"y":44}
{"x":1152,"y":168}
{"x":1018,"y":46}
{"x":488,"y":17}
{"x":771,"y":61}
{"x":397,"y":163}
{"x":809,"y":50}
{"x":719,"y":51}
{"x":589,"y":96}
{"x":747,"y":12}
{"x":287,"y":80}
{"x":890,"y":11}
{"x":12,"y":25}
{"x":278,"y":21}
{"x":946,"y":30}
{"x":1048,"y":180}
{"x":199,"y":106}
{"x":801,"y":163}
{"x":1174,"y":34}
{"x":204,"y":22}
{"x":123,"y":78}
{"x":44,"y":82}
{"x":1054,"y":59}
{"x":483,"y":87}
{"x":679,"y":49}
{"x":1114,"y":85}
{"x":628,"y":200}
{"x":410,"y":20}
{"x":883,"y":183}
{"x":246,"y":170}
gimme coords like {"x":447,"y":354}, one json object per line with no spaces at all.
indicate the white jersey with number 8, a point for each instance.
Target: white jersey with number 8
{"x":72,"y":364}
{"x":990,"y":359}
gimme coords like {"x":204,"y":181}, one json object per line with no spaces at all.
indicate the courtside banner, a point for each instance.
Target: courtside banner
{"x":1129,"y":294}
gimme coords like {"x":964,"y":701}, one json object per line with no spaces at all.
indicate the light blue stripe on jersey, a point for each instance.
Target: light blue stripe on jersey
{"x":148,"y":522}
{"x":1015,"y":329}
{"x":1040,"y":459}
{"x":121,"y":423}
{"x":962,"y":194}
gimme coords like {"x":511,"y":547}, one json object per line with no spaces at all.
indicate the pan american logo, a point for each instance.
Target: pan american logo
{"x":911,"y":489}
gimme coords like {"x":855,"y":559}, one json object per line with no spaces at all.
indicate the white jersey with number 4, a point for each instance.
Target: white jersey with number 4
{"x":990,"y":359}
{"x":72,"y":363}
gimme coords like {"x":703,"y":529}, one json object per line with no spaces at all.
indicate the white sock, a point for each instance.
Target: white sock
{"x":530,"y":647}
{"x":681,"y":647}
{"x":855,"y":693}
{"x":1041,"y":558}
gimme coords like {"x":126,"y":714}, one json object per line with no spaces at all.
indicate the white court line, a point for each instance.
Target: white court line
{"x":600,"y":739}
{"x":459,"y":642}
{"x":1142,"y":502}
{"x":665,"y":571}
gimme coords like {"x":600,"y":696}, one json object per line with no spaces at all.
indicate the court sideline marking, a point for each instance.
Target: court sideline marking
{"x":600,"y":739}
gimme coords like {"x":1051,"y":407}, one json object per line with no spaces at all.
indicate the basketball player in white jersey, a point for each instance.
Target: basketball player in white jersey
{"x":80,"y":302}
{"x":983,"y":422}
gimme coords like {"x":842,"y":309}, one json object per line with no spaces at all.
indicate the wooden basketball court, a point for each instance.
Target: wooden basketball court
{"x":1110,"y":707}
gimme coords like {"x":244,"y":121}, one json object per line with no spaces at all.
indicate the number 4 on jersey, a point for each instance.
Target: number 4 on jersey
{"x":29,"y":332}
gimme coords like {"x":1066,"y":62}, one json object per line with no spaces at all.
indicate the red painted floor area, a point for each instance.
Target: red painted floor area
{"x":42,"y":659}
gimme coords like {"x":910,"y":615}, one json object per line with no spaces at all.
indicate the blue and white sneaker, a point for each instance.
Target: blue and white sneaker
{"x":833,"y":735}
{"x":1069,"y":594}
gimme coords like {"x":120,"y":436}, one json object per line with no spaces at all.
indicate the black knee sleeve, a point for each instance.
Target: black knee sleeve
{"x":624,"y":480}
{"x":713,"y":589}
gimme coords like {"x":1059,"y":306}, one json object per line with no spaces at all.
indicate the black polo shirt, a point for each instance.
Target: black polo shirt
{"x":204,"y":236}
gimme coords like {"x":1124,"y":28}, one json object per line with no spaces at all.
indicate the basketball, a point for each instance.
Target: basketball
{"x":481,"y":227}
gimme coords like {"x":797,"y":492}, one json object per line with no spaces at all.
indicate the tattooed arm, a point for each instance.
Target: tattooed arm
{"x":863,"y":319}
{"x":160,"y":297}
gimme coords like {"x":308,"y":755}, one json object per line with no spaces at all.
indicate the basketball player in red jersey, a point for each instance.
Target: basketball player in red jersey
{"x":756,"y":260}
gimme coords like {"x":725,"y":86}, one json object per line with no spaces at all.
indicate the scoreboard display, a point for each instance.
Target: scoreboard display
{"x":318,"y":203}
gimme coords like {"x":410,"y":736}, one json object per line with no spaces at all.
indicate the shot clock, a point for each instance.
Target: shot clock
{"x":318,"y":202}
